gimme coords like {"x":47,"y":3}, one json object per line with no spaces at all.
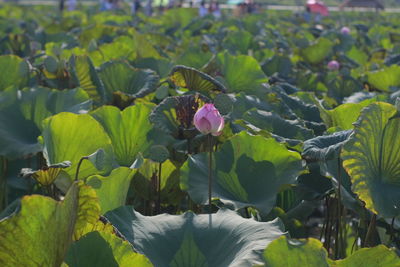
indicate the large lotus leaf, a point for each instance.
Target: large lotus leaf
{"x":39,"y":103}
{"x":317,"y":51}
{"x":96,"y":32}
{"x":371,"y":158}
{"x":326,"y":151}
{"x":379,"y":256}
{"x":247,"y":171}
{"x":292,"y":252}
{"x":68,"y":136}
{"x":278,"y":64}
{"x":128,"y":130}
{"x":86,"y":77}
{"x":221,"y":239}
{"x":40,"y":232}
{"x":299,"y":107}
{"x":344,"y":115}
{"x":327,"y":147}
{"x":164,"y":116}
{"x":243,"y":103}
{"x":161,"y":66}
{"x":195,"y":80}
{"x":14,"y":71}
{"x":112,"y":189}
{"x":100,"y":248}
{"x":241,"y":73}
{"x":238,"y":42}
{"x":194,"y":57}
{"x":311,"y":253}
{"x":143,"y":45}
{"x":119,"y":76}
{"x":18,"y":135}
{"x":384,"y":79}
{"x":122,"y":47}
{"x":357,"y":55}
{"x":276,"y":124}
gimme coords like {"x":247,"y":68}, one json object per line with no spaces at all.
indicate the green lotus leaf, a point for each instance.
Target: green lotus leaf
{"x":96,"y":32}
{"x":379,"y":256}
{"x":68,"y":136}
{"x":127,"y":129}
{"x":311,"y":253}
{"x":326,"y":151}
{"x":161,"y":66}
{"x":119,"y":76}
{"x":18,"y":135}
{"x":243,"y":103}
{"x":385,"y":78}
{"x":278,"y":64}
{"x":158,"y":153}
{"x":247,"y":171}
{"x":164,"y":116}
{"x":38,"y":103}
{"x":344,"y":115}
{"x":317,"y":51}
{"x":50,"y":228}
{"x":103,"y":249}
{"x":14,"y":71}
{"x":194,"y":57}
{"x":112,"y":189}
{"x":241,"y":73}
{"x":123,"y":47}
{"x":21,"y":118}
{"x":191,"y":240}
{"x":302,"y":109}
{"x":276,"y":124}
{"x":238,"y":42}
{"x":327,"y":147}
{"x":223,"y":103}
{"x":195,"y":80}
{"x":371,"y":159}
{"x":357,"y":55}
{"x":86,"y":77}
{"x":144,"y":182}
{"x":291,"y":252}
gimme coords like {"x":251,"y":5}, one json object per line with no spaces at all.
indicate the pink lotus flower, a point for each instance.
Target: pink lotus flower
{"x":345,"y":30}
{"x":208,"y":120}
{"x":333,"y":65}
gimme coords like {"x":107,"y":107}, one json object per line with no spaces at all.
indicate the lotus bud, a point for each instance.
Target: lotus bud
{"x":333,"y":65}
{"x":208,"y":120}
{"x":345,"y":30}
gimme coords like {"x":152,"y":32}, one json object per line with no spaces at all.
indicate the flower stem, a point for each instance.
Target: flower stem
{"x":159,"y":189}
{"x":79,"y":166}
{"x":368,"y":242}
{"x":209,"y":173}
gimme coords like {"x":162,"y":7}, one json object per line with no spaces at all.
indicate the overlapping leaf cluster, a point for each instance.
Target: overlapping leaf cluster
{"x":97,"y":109}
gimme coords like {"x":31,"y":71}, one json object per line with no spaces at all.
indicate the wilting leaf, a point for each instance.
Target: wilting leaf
{"x":50,"y":228}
